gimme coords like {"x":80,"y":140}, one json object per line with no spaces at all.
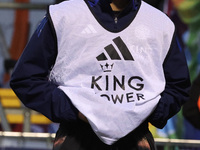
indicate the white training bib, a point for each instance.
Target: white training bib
{"x":114,"y":79}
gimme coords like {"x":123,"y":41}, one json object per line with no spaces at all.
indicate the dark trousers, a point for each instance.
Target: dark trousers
{"x":80,"y":136}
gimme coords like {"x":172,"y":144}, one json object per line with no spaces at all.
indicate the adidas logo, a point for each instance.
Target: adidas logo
{"x":113,"y":54}
{"x":89,"y":30}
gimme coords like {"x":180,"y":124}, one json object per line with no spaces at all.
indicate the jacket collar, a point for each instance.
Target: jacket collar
{"x":105,"y":4}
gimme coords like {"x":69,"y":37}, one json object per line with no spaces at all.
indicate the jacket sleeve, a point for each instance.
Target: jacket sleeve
{"x":29,"y":79}
{"x":176,"y":91}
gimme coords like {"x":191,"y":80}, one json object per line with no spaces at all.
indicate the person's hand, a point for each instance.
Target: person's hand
{"x":143,"y":144}
{"x":82,"y":117}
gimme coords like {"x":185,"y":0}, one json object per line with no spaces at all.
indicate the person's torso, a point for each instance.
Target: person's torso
{"x":120,"y":72}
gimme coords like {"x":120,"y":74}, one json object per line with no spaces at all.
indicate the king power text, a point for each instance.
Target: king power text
{"x":113,"y":84}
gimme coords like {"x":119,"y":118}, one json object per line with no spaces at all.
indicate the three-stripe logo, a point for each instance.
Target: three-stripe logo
{"x":114,"y":55}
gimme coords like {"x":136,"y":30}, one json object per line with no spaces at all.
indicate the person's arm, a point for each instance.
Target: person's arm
{"x":30,"y":82}
{"x":177,"y":86}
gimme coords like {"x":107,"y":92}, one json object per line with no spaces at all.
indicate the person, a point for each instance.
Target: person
{"x":103,"y":70}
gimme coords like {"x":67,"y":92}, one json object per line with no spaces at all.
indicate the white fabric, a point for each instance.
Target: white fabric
{"x":115,"y":102}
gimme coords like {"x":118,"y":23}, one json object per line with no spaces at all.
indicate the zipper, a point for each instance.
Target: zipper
{"x":116,"y":15}
{"x":116,"y":20}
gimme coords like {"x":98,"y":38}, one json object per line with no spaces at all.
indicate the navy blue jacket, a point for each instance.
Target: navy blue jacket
{"x":30,"y":82}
